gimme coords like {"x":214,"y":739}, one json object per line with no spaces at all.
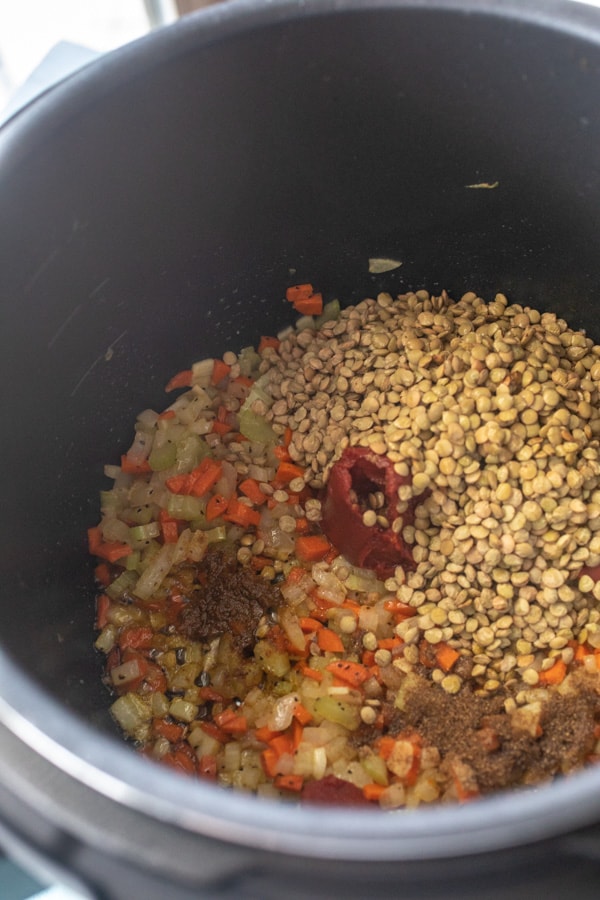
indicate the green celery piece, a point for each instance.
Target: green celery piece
{"x":163,"y":457}
{"x":256,"y":428}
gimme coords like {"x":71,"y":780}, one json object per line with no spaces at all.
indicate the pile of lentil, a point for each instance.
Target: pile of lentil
{"x":246,"y":649}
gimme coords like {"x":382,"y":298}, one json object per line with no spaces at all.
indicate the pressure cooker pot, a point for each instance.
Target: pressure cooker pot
{"x":153,"y":209}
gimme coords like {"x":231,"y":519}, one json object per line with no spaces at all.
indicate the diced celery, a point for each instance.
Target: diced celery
{"x":335,"y":710}
{"x":133,"y":714}
{"x":376,"y":768}
{"x":331,"y":311}
{"x":144,"y":532}
{"x":110,"y":500}
{"x":183,"y":710}
{"x":256,"y":428}
{"x":218,"y":533}
{"x":305,"y":322}
{"x":191,"y":449}
{"x":124,"y":582}
{"x":163,"y":457}
{"x":182,"y":506}
{"x":141,"y":515}
{"x":132,"y":561}
{"x":248,"y":360}
{"x":274,"y":662}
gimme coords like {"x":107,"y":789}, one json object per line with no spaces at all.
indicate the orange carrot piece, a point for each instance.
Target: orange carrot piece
{"x":170,"y":531}
{"x":282,"y":453}
{"x":221,"y":428}
{"x":265,"y":734}
{"x":169,"y":730}
{"x":385,"y":745}
{"x":267,"y":341}
{"x":250,"y":488}
{"x":298,"y":291}
{"x":216,"y":506}
{"x":140,"y":637}
{"x":353,"y":674}
{"x":207,"y":766}
{"x":308,"y":624}
{"x":302,"y":525}
{"x":315,"y":674}
{"x":289,"y":782}
{"x":287,"y":471}
{"x":231,"y":722}
{"x":373,"y":791}
{"x":282,"y":743}
{"x":312,"y":548}
{"x":103,"y":602}
{"x":328,"y":640}
{"x":309,"y":306}
{"x":133,"y":468}
{"x":445,"y":656}
{"x":269,"y":759}
{"x":554,"y":675}
{"x":302,"y":714}
{"x":240,"y":514}
{"x":204,"y":476}
{"x":220,"y":371}
{"x":180,"y":380}
{"x":167,"y":414}
{"x":102,"y":574}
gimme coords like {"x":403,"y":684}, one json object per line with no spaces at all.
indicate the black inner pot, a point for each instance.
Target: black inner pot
{"x":154,"y":208}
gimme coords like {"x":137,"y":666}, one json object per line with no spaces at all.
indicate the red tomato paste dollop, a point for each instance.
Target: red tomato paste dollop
{"x":358,"y":473}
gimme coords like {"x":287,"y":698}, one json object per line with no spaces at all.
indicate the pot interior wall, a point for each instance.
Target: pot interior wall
{"x":153,"y":215}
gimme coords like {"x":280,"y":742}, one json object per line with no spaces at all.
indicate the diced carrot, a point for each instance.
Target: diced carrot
{"x":282,"y":743}
{"x":167,"y":414}
{"x":216,"y":506}
{"x":427,"y":655}
{"x":581,"y":651}
{"x":329,"y":641}
{"x":181,"y":380}
{"x":169,"y":527}
{"x":102,"y":574}
{"x":302,"y":525}
{"x":312,"y":548}
{"x":267,"y":341}
{"x":210,"y":695}
{"x":180,"y":761}
{"x":265,"y":734}
{"x":204,"y":476}
{"x":389,"y":643}
{"x":231,"y":722}
{"x":259,"y":562}
{"x":368,"y":658}
{"x":302,"y":714}
{"x":214,"y":731}
{"x":134,"y":468}
{"x":309,"y":306}
{"x":250,"y":488}
{"x":385,"y":745}
{"x":155,"y":680}
{"x":282,"y":453}
{"x":170,"y":730}
{"x":112,"y":551}
{"x":220,"y":371}
{"x":177,"y":484}
{"x":309,"y":672}
{"x":139,"y":637}
{"x":373,"y":791}
{"x":289,"y":782}
{"x":269,"y":759}
{"x":555,"y":674}
{"x":351,"y":673}
{"x":298,"y":291}
{"x":399,"y":610}
{"x":308,"y":624}
{"x":287,"y":436}
{"x":207,"y":766}
{"x":287,"y":471}
{"x":445,"y":656}
{"x":240,"y":514}
{"x":103,"y":602}
{"x":221,"y":427}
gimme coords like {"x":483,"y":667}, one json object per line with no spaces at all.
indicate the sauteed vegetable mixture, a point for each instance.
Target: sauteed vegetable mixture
{"x":361,"y":563}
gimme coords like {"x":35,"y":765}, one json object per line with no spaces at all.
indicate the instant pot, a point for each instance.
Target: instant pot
{"x":153,"y":209}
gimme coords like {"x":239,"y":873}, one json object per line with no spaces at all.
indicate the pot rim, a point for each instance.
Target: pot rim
{"x":106,"y":765}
